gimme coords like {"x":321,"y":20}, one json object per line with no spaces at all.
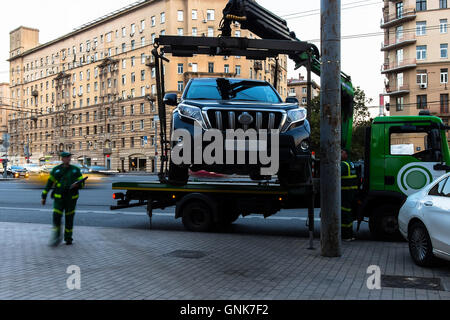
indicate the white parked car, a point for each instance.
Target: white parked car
{"x":424,"y":221}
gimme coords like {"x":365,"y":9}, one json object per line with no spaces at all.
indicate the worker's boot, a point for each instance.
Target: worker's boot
{"x":56,"y":238}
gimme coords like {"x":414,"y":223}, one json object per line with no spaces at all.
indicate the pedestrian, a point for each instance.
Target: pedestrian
{"x":66,"y":180}
{"x":349,"y":182}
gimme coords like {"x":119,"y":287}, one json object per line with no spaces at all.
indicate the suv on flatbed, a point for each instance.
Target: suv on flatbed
{"x":233,"y":104}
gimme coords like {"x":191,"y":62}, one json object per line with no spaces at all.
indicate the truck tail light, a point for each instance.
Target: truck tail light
{"x":118,"y":196}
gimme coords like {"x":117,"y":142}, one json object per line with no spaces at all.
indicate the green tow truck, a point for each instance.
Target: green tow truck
{"x":403,"y":154}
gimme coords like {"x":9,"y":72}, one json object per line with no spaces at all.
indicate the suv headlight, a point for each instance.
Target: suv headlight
{"x":192,"y":113}
{"x":295,"y":116}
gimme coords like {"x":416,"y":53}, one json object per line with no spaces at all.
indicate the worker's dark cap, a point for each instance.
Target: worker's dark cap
{"x":65,"y":154}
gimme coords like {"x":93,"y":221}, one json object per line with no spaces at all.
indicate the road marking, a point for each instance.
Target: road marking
{"x":163,"y":214}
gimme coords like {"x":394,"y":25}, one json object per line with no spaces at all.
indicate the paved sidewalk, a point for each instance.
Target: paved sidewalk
{"x":139,"y":264}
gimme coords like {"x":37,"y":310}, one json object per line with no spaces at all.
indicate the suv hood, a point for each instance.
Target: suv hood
{"x":240,"y":104}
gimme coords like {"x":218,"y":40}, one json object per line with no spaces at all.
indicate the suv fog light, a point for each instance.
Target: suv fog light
{"x":304,"y":145}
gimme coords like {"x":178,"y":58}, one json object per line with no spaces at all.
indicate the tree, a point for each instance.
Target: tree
{"x":361,"y":120}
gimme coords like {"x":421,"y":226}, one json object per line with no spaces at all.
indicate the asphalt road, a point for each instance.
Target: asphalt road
{"x":20,"y":202}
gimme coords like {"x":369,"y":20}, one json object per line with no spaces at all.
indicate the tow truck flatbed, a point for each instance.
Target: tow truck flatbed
{"x":205,"y":204}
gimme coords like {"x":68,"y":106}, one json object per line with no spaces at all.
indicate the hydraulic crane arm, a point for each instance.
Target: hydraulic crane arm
{"x":267,"y":25}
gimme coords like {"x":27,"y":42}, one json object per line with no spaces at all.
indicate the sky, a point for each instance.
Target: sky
{"x":361,"y":56}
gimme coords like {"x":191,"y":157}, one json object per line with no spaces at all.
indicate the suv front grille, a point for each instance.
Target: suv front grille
{"x":229,"y":119}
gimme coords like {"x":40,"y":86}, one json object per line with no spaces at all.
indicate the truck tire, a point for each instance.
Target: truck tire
{"x":420,"y":246}
{"x":383,"y":223}
{"x":197,"y":216}
{"x":178,"y":176}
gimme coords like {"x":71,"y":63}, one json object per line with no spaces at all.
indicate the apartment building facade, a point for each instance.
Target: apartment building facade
{"x":416,"y":56}
{"x":4,"y":106}
{"x":93,"y":91}
{"x":298,"y":88}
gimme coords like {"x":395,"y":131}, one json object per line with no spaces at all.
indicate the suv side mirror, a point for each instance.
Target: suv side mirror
{"x":292,"y":100}
{"x":171,"y":99}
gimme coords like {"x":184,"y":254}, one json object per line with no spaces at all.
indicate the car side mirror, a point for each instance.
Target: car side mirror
{"x":292,"y":100}
{"x":171,"y":99}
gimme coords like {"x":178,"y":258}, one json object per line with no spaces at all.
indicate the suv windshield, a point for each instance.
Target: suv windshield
{"x":233,"y":89}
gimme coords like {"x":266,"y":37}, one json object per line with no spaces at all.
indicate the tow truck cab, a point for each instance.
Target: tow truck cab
{"x":403,"y":155}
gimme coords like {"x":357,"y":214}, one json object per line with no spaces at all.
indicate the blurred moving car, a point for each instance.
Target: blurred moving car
{"x":19,"y":172}
{"x":424,"y":221}
{"x":101,"y":170}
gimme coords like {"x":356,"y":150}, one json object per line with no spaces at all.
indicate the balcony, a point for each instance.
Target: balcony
{"x":107,"y":151}
{"x":398,"y":66}
{"x":398,"y":42}
{"x":395,"y":19}
{"x":396,"y":90}
{"x":35,"y":93}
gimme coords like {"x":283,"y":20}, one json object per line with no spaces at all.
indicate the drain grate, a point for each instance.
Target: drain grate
{"x":186,"y":254}
{"x":411,"y":282}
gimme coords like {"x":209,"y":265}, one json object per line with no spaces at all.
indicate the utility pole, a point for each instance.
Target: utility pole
{"x":330,"y":129}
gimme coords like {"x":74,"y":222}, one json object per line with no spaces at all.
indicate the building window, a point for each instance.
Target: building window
{"x":142,"y":124}
{"x":133,"y":77}
{"x":226,"y":68}
{"x":133,"y":29}
{"x":194,"y":67}
{"x":399,"y":104}
{"x":421,"y":5}
{"x":194,"y":14}
{"x":132,"y":142}
{"x":444,"y":103}
{"x":443,"y":26}
{"x":422,"y":78}
{"x":153,"y":20}
{"x":180,"y":15}
{"x":210,"y":15}
{"x":194,"y":32}
{"x":442,"y":4}
{"x":444,"y":76}
{"x":108,"y":38}
{"x":133,"y":61}
{"x":180,"y":68}
{"x":422,"y":101}
{"x":180,"y":31}
{"x":133,"y":44}
{"x":421,"y":28}
{"x":421,"y":52}
{"x":210,"y":32}
{"x":444,"y":50}
{"x":163,"y":17}
{"x":238,"y":70}
{"x":142,"y":108}
{"x":180,"y":86}
{"x":211,"y":67}
{"x":142,"y":25}
{"x":142,"y":91}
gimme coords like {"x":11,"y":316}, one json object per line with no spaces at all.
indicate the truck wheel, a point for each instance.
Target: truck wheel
{"x":197,"y":216}
{"x":178,"y":176}
{"x":420,"y":246}
{"x":383,"y":223}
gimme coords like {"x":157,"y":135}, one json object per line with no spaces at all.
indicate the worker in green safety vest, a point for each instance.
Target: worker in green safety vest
{"x":349,"y":181}
{"x":66,"y":180}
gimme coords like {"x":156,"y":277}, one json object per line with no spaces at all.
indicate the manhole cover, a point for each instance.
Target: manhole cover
{"x":411,"y":282}
{"x":186,"y":254}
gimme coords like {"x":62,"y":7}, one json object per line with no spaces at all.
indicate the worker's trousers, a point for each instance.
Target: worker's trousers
{"x":64,"y":206}
{"x":347,"y":218}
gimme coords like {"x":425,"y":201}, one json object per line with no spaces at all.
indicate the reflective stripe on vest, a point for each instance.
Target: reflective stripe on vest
{"x":75,"y":197}
{"x":58,"y":196}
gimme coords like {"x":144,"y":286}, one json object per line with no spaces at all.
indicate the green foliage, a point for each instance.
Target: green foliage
{"x":361,"y":120}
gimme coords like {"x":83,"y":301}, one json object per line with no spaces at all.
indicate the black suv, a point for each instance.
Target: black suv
{"x":232,"y":104}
